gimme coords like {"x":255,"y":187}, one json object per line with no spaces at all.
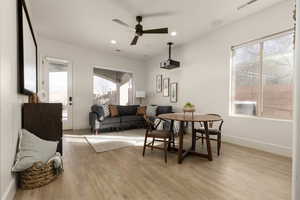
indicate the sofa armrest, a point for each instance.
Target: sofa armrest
{"x":96,"y":116}
{"x":94,"y":120}
{"x":98,"y":110}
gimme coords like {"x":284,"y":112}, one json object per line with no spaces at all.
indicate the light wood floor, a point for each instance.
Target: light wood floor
{"x":238,"y":174}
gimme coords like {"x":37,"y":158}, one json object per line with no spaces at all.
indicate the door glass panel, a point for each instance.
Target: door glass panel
{"x":58,"y":90}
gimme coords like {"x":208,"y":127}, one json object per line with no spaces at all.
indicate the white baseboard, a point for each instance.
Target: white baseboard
{"x":10,"y":192}
{"x":271,"y":148}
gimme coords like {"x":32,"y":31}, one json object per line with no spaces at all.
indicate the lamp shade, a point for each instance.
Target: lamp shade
{"x":140,"y":94}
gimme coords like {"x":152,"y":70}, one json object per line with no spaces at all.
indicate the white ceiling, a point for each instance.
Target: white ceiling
{"x":88,"y":23}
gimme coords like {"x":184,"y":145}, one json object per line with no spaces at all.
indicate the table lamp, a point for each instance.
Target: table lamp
{"x":140,"y":95}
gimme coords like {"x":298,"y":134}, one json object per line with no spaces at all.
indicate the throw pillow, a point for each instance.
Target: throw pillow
{"x":106,"y":110}
{"x":151,"y":111}
{"x":141,"y":110}
{"x":127,"y":110}
{"x":113,"y":111}
{"x":32,"y":149}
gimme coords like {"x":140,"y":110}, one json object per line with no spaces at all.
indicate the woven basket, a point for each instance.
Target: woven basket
{"x":38,"y":175}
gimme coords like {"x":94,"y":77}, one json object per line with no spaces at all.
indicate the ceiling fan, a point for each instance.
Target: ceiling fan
{"x":139,"y":31}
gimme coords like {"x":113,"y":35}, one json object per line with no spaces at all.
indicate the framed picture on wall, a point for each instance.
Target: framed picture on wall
{"x":159,"y":83}
{"x":27,"y":52}
{"x":173,"y":91}
{"x":166,"y":82}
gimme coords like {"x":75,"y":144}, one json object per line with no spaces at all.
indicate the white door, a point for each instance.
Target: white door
{"x":57,"y":83}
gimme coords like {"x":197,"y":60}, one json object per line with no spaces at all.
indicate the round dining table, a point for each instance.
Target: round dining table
{"x":183,"y":118}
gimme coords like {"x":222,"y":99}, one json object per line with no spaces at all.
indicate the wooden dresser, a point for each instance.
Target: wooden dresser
{"x":44,"y":120}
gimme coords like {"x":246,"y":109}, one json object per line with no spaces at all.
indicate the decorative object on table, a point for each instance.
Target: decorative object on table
{"x":189,"y":107}
{"x":173,"y":88}
{"x":42,"y":96}
{"x":159,"y":83}
{"x":166,"y":82}
{"x":27,"y":52}
{"x":33,"y":98}
{"x":140,"y":95}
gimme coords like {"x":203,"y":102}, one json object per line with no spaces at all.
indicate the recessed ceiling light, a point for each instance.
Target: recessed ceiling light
{"x":174,"y":33}
{"x":113,"y":42}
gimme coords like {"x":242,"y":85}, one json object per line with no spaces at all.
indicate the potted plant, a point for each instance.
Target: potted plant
{"x":189,"y":107}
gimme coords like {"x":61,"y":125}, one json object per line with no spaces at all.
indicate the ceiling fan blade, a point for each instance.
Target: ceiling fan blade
{"x":156,"y":31}
{"x":246,"y":4}
{"x":118,"y":21}
{"x":134,"y":41}
{"x":158,"y":14}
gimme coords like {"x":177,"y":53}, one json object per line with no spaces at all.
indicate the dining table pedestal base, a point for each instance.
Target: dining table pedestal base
{"x":182,"y":153}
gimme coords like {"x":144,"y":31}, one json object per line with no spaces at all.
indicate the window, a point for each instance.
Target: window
{"x":105,"y":91}
{"x":125,"y":91}
{"x":262,"y":77}
{"x":112,"y":87}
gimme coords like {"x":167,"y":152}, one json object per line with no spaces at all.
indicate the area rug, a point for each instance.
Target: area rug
{"x":116,"y":140}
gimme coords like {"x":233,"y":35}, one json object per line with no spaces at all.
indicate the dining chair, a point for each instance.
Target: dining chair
{"x":214,"y":129}
{"x":156,"y":136}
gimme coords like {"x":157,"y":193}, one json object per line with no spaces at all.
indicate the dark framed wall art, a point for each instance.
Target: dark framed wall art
{"x":173,"y":92}
{"x":166,"y":82}
{"x":27,"y":52}
{"x":159,"y":83}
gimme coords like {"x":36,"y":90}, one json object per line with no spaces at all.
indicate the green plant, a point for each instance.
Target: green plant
{"x":188,"y":105}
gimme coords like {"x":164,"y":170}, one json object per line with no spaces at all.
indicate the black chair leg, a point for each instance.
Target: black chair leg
{"x":165,"y":149}
{"x":219,"y":143}
{"x":152,"y":144}
{"x":145,"y":143}
{"x":202,"y":138}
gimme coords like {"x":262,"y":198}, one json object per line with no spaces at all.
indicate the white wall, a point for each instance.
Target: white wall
{"x":10,"y":101}
{"x":83,"y":61}
{"x":296,"y":138}
{"x":204,"y":78}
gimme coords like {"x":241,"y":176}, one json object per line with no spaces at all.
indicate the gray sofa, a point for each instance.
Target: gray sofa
{"x":127,"y":118}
